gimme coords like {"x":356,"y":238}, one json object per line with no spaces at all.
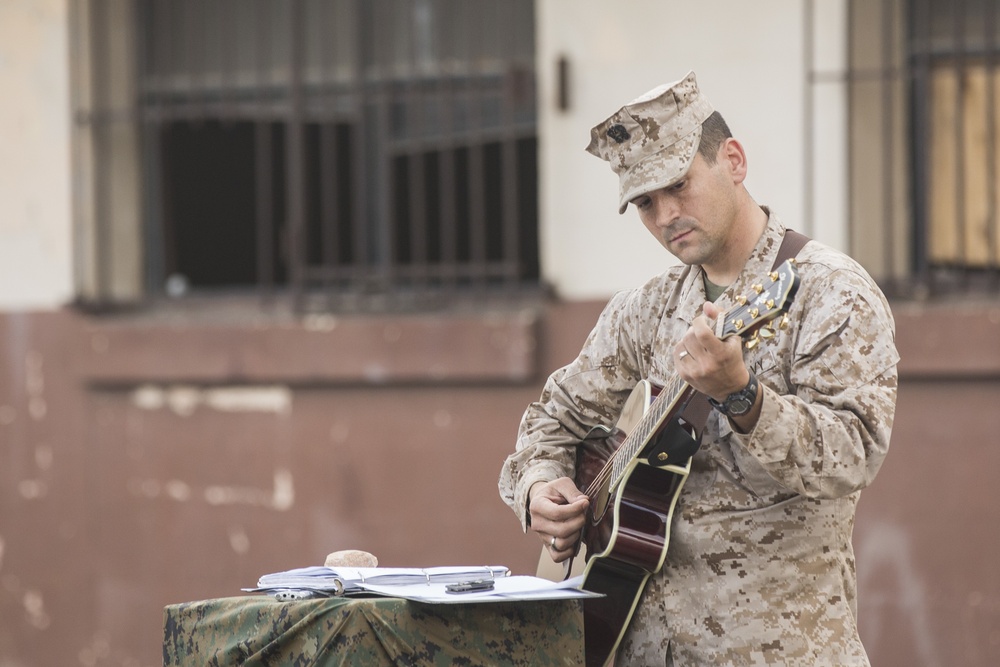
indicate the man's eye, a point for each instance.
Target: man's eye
{"x":679,"y":185}
{"x":641,"y":203}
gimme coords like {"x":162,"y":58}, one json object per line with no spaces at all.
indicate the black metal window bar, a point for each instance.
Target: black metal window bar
{"x":344,"y":151}
{"x":953,"y":55}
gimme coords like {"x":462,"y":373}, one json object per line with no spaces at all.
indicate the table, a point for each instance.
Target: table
{"x":260,"y":631}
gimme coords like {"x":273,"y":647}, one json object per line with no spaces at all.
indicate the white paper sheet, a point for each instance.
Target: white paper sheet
{"x":505,"y":589}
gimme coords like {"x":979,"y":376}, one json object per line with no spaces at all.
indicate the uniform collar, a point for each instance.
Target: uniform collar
{"x":760,"y":262}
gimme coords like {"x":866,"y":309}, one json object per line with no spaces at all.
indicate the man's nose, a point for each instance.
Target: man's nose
{"x":667,"y":211}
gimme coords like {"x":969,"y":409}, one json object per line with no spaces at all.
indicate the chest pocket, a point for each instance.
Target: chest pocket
{"x":763,"y":362}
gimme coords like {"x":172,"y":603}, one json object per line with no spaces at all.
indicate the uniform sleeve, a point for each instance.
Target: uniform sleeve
{"x":576,"y":398}
{"x":828,"y":435}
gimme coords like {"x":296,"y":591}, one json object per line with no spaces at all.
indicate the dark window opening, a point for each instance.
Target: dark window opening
{"x":339,"y":148}
{"x":492,"y":233}
{"x":208,"y":203}
{"x":330,"y":238}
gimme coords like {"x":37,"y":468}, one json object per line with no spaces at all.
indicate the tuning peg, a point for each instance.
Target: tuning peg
{"x":785,"y":321}
{"x":767,"y":333}
{"x":742,"y":300}
{"x":773,"y":276}
{"x":758,"y":288}
{"x":738,"y":324}
{"x":752,"y":343}
{"x":770,"y":304}
{"x":755,"y":312}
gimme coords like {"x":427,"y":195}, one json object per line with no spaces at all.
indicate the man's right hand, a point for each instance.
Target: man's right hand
{"x":558,"y":510}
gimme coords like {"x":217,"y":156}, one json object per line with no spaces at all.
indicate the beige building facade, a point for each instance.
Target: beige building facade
{"x":159,"y":444}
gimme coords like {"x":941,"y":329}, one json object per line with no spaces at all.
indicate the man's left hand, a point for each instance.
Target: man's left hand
{"x":713,"y":366}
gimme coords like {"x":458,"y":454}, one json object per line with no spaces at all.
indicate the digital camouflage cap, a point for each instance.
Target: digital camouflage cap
{"x":651,"y":141}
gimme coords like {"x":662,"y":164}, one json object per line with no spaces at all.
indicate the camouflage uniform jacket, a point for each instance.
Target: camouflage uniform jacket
{"x":760,"y":568}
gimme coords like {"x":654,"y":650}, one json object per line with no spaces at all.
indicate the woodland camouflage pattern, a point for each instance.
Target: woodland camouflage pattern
{"x":760,"y":569}
{"x":259,"y":631}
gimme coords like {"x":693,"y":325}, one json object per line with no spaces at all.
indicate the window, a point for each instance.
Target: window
{"x":335,"y":150}
{"x":955,"y":51}
{"x":925,"y":122}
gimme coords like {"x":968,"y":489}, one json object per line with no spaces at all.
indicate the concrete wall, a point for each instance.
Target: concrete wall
{"x":35,"y":238}
{"x":145,"y":463}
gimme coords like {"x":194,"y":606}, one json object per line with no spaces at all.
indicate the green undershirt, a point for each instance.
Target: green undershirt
{"x":713,"y":291}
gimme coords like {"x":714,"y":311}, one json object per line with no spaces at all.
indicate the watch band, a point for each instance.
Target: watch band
{"x":739,"y":402}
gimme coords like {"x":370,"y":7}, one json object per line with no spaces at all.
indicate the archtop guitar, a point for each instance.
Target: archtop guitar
{"x":633,"y":474}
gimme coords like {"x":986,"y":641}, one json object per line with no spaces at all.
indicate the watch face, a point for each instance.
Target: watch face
{"x":739,"y":406}
{"x":740,"y":402}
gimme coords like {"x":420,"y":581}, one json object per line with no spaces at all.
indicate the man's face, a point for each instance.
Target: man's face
{"x":693,"y":218}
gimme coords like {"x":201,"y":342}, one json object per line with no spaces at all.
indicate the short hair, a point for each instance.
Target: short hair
{"x":714,"y":131}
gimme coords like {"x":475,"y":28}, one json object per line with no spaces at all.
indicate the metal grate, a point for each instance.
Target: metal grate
{"x":951,"y":56}
{"x":953,"y":52}
{"x":337,"y":150}
{"x":924,"y":128}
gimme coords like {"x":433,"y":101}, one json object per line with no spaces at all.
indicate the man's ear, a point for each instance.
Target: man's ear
{"x":731,"y":151}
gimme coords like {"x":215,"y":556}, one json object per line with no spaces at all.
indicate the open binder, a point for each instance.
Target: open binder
{"x":449,"y":584}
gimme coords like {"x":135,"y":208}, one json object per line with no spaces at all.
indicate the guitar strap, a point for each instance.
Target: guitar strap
{"x":790,"y":246}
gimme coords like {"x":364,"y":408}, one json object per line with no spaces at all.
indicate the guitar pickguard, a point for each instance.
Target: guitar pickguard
{"x":676,"y":443}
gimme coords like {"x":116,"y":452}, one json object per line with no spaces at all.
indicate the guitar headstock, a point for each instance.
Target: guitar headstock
{"x":767,"y":301}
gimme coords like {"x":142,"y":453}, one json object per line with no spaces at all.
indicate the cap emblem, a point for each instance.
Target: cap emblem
{"x":618,"y":133}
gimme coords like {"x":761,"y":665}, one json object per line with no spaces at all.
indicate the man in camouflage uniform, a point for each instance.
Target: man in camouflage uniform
{"x":760,"y":568}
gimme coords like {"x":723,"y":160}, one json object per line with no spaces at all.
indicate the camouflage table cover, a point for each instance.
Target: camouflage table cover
{"x":259,"y":631}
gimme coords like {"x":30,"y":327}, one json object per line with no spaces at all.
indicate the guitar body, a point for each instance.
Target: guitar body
{"x":628,"y":529}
